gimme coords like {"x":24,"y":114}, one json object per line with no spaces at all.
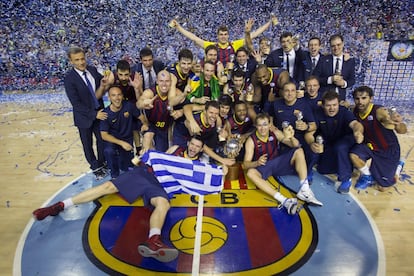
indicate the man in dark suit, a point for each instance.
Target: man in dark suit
{"x":287,"y":57}
{"x":85,"y":87}
{"x":336,"y":70}
{"x":244,"y":63}
{"x":310,"y":58}
{"x":148,"y":68}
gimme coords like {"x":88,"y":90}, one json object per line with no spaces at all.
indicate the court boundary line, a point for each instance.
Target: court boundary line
{"x":17,"y":262}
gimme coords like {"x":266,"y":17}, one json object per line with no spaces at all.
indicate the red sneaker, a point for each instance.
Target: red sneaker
{"x":52,"y":210}
{"x":154,"y":248}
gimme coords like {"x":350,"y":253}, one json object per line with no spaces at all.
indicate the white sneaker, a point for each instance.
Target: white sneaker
{"x":308,"y":197}
{"x":291,"y":205}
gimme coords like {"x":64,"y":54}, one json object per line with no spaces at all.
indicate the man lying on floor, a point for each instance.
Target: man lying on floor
{"x":156,"y":179}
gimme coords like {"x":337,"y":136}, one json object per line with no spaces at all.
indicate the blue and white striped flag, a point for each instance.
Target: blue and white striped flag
{"x":181,"y":175}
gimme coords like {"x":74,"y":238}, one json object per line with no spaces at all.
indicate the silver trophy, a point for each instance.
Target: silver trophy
{"x":232,"y":146}
{"x":392,"y":110}
{"x":285,"y":124}
{"x":319,"y":139}
{"x":299,"y":116}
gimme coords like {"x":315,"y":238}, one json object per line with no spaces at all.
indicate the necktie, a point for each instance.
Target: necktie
{"x":150,"y":80}
{"x":337,"y":70}
{"x":287,"y":63}
{"x":89,"y":84}
{"x":313,"y":63}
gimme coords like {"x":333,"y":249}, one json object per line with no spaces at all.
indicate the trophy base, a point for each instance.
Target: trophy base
{"x":233,"y":172}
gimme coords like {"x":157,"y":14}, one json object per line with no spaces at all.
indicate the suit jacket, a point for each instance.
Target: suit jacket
{"x":275,"y":60}
{"x":324,"y":70}
{"x":251,"y":68}
{"x":306,"y":65}
{"x":157,"y":65}
{"x":84,"y":111}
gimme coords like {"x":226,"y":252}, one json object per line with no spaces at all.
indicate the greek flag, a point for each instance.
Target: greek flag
{"x":181,"y":175}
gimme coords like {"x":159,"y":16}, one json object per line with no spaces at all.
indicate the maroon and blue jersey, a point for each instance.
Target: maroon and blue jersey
{"x":182,"y":152}
{"x":159,"y":116}
{"x":269,"y":147}
{"x":223,"y":55}
{"x":237,"y":127}
{"x":376,"y":136}
{"x":179,"y":151}
{"x":271,"y":86}
{"x":128,"y":91}
{"x":181,"y":79}
{"x":314,"y":103}
{"x":237,"y":93}
{"x":208,"y":132}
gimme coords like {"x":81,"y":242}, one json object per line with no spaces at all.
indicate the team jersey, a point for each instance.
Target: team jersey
{"x":236,"y":93}
{"x":128,"y":91}
{"x":208,"y":132}
{"x":182,"y":152}
{"x":333,"y":128}
{"x":376,"y":136}
{"x":314,"y":103}
{"x":282,"y":112}
{"x":159,"y":115}
{"x":269,"y":147}
{"x":271,"y":86}
{"x":181,"y":78}
{"x":226,"y":50}
{"x":240,"y":127}
{"x":120,"y":123}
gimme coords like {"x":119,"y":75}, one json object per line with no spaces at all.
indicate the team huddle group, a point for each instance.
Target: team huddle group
{"x":286,"y":109}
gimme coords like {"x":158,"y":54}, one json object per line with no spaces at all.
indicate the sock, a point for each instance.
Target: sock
{"x":154,"y":231}
{"x":304,"y":185}
{"x":67,"y":203}
{"x":279,"y":197}
{"x":365,"y":170}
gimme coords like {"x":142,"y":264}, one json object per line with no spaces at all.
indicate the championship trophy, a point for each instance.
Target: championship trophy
{"x":285,"y":124}
{"x":319,"y":140}
{"x":299,"y":115}
{"x":249,"y":94}
{"x":231,"y":150}
{"x":232,"y":146}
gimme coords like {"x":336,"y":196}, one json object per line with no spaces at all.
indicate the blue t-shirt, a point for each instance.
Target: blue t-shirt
{"x":121,"y":123}
{"x":282,"y":112}
{"x":333,"y":128}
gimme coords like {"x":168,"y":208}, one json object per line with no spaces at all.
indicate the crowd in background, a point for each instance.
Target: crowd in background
{"x":34,"y":34}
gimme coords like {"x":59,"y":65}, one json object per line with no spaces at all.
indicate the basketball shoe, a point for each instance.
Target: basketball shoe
{"x":308,"y":196}
{"x":52,"y":210}
{"x":364,"y":182}
{"x":155,"y":248}
{"x":344,"y":186}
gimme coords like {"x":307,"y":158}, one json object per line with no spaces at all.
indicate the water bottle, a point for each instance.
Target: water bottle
{"x":400,"y":167}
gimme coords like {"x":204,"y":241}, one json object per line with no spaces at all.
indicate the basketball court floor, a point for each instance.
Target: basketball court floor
{"x":239,"y":232}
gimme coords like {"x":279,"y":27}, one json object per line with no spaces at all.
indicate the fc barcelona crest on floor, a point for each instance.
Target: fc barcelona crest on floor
{"x":243,"y":232}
